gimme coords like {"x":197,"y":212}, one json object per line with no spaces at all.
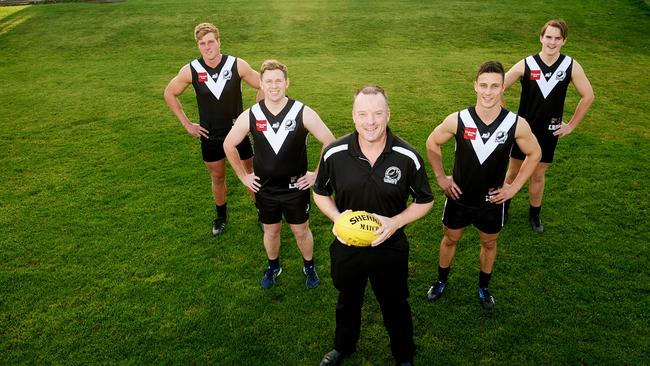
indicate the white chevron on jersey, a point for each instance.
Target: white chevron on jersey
{"x":216,"y":87}
{"x":408,"y":153}
{"x":484,"y":150}
{"x":546,"y":86}
{"x":334,"y":150}
{"x":276,"y":139}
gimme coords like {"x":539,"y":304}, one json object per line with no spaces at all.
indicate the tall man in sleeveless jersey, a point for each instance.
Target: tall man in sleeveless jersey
{"x":476,"y":191}
{"x":280,"y":176}
{"x":216,"y":79}
{"x":544,"y":79}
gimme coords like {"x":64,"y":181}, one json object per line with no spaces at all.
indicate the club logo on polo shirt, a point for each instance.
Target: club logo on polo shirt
{"x":392,"y":175}
{"x":501,"y":137}
{"x":227,"y":74}
{"x":290,"y":125}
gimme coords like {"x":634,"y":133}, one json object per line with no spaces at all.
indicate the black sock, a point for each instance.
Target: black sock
{"x":274,"y":263}
{"x":443,"y":273}
{"x":308,"y":263}
{"x":534,"y":211}
{"x":221,"y":210}
{"x":484,"y":279}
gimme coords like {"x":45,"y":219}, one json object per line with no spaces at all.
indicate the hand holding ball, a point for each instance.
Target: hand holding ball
{"x":357,"y":228}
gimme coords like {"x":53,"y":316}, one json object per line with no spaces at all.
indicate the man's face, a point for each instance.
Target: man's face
{"x":209,"y":46}
{"x":370,"y":114}
{"x":274,"y":85}
{"x":489,"y":88}
{"x":552,"y":41}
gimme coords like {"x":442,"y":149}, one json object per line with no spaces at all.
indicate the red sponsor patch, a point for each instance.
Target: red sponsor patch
{"x":470,"y":133}
{"x":203,"y":77}
{"x":535,"y":74}
{"x":260,"y":125}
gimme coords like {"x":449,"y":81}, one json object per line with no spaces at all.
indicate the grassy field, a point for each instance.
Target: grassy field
{"x":105,"y":212}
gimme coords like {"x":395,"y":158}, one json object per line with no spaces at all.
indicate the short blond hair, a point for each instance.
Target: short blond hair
{"x":204,"y":28}
{"x":556,"y":23}
{"x":269,"y":65}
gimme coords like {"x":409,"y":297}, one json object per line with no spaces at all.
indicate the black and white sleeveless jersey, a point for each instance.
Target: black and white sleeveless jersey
{"x":218,"y":94}
{"x":280,"y":146}
{"x":482,"y":154}
{"x":543,"y":90}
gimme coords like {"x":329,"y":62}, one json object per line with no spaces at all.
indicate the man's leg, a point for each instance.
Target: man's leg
{"x":536,"y":190}
{"x":217,"y":170}
{"x":272,"y":248}
{"x":487,"y":258}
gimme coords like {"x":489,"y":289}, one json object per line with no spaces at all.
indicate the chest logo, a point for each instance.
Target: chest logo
{"x":290,"y":125}
{"x":260,"y":125}
{"x":227,"y":75}
{"x":470,"y":133}
{"x":501,"y":137}
{"x":560,"y":75}
{"x":392,"y":175}
{"x":203,"y":77}
{"x":535,"y":74}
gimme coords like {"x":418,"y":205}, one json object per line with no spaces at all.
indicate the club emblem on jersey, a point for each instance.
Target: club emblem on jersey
{"x":535,"y":74}
{"x":392,"y":175}
{"x":260,"y":125}
{"x":485,"y":136}
{"x":560,"y":75}
{"x":501,"y":137}
{"x":469,"y":133}
{"x":290,"y":126}
{"x":203,"y":77}
{"x":227,"y":75}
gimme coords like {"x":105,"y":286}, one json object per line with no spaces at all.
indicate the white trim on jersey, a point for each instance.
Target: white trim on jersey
{"x":484,"y":150}
{"x":408,"y":153}
{"x":276,"y":139}
{"x":216,"y":87}
{"x":546,"y":86}
{"x":334,"y":150}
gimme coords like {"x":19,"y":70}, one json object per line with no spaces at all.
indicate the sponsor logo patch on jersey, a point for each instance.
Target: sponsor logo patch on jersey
{"x":535,"y":74}
{"x":469,"y":133}
{"x":203,"y":77}
{"x":260,"y":125}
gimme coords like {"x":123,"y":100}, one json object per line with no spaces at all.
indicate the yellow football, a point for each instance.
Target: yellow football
{"x":357,"y":228}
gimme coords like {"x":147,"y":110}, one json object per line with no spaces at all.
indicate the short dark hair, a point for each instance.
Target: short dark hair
{"x":491,"y":67}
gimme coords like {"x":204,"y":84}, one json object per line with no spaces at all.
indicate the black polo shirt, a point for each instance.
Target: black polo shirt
{"x":384,"y":188}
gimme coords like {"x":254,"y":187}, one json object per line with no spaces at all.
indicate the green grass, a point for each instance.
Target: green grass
{"x":105,"y":211}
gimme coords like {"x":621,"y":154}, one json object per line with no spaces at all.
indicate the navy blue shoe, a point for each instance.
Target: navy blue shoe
{"x":487,"y":301}
{"x":218,"y":226}
{"x":536,"y":224}
{"x":270,"y":276}
{"x":436,"y":290}
{"x":312,"y":280}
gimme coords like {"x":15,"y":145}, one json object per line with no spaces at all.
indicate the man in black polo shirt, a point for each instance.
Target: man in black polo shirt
{"x":375,"y":171}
